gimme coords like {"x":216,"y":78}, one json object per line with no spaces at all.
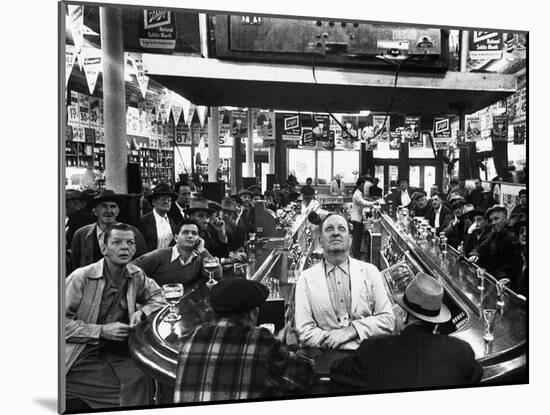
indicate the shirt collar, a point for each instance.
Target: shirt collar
{"x":176,"y":255}
{"x":158,"y":217}
{"x":344,"y":267}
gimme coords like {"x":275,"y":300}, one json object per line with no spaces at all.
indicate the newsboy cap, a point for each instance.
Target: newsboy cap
{"x":236,"y":295}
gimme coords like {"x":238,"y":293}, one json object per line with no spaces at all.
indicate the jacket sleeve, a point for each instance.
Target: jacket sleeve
{"x":78,"y":331}
{"x":382,"y":320}
{"x":308,"y":331}
{"x":290,"y":371}
{"x":148,"y":263}
{"x":150,"y":295}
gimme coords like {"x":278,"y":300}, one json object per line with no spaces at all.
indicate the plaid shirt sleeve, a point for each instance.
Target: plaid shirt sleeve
{"x":290,"y":371}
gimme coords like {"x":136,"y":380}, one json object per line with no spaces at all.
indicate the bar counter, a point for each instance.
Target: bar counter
{"x":155,"y":343}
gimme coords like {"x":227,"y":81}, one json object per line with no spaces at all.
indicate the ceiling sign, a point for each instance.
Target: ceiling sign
{"x":485,"y":45}
{"x":157,"y":30}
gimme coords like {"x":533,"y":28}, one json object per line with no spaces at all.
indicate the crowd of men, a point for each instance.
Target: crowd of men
{"x":116,"y":271}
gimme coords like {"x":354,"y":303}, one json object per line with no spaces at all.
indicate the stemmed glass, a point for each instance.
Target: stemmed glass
{"x":210,"y":265}
{"x":173,"y":293}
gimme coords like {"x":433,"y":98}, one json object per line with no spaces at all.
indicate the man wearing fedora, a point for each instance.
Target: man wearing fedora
{"x":87,"y":243}
{"x":247,"y":215}
{"x":340,"y":301}
{"x":214,"y":234}
{"x":157,"y":227}
{"x":231,"y":358}
{"x":78,"y":213}
{"x":103,"y":301}
{"x":415,"y":358}
{"x":182,"y":263}
{"x":496,"y":253}
{"x":235,"y":238}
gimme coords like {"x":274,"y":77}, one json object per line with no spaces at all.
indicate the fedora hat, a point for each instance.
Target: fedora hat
{"x":496,"y":208}
{"x":235,"y":295}
{"x":198,"y":205}
{"x":72,"y":194}
{"x":107,"y":195}
{"x":228,"y":204}
{"x":468,"y":209}
{"x":473,"y":213}
{"x":237,"y":199}
{"x":162,"y":189}
{"x":255,"y":189}
{"x":423,"y":299}
{"x":245,"y":192}
{"x":214,"y":205}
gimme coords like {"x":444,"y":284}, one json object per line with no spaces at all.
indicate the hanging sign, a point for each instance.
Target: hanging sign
{"x":411,"y":133}
{"x":473,"y":129}
{"x":201,"y":111}
{"x":84,"y":110}
{"x":351,"y":124}
{"x":73,"y":117}
{"x":291,"y":127}
{"x":485,"y":45}
{"x":380,"y":131}
{"x":76,"y":23}
{"x":92,"y":66}
{"x":442,"y":127}
{"x":95,"y":112}
{"x":500,"y":127}
{"x":320,"y":128}
{"x":460,"y":139}
{"x":519,"y":134}
{"x":143,"y":80}
{"x":157,"y":30}
{"x":239,"y":124}
{"x":395,"y":140}
{"x":176,"y":112}
{"x":70,"y":57}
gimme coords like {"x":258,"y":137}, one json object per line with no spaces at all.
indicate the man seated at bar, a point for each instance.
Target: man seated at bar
{"x":101,"y":307}
{"x":177,"y":211}
{"x":421,"y":207}
{"x":235,"y":238}
{"x":340,"y":301}
{"x":247,"y":215}
{"x":87,"y":243}
{"x":476,"y":194}
{"x":520,"y":274}
{"x":496,"y":253}
{"x":454,"y":231}
{"x":401,"y":196}
{"x":308,"y":191}
{"x":156,"y":226}
{"x":232,"y":358}
{"x":214,"y":235}
{"x":181,"y":263}
{"x":477,"y":233}
{"x":417,"y":357}
{"x":440,"y":215}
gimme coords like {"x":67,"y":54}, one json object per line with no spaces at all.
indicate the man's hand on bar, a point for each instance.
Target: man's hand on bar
{"x":337,"y":337}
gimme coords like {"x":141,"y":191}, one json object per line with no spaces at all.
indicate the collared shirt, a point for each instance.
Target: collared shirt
{"x":100,"y":235}
{"x":182,"y":210}
{"x":176,"y":255}
{"x":437,"y":213}
{"x":339,"y":287}
{"x":164,"y":231}
{"x":405,"y":198}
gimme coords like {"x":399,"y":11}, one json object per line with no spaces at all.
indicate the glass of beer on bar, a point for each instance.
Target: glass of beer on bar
{"x":480,"y":272}
{"x":173,"y":293}
{"x":489,"y":315}
{"x":210,"y":265}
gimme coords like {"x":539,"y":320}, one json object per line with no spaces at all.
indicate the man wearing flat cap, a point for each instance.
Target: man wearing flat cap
{"x":415,"y":358}
{"x":231,"y":358}
{"x":496,"y":253}
{"x":156,"y":226}
{"x":87,"y":244}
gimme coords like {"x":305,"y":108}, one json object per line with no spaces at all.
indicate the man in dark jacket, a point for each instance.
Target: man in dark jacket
{"x":496,"y":253}
{"x":87,"y":243}
{"x":477,"y":233}
{"x":215,"y":236}
{"x":156,"y":226}
{"x":78,"y":213}
{"x":454,"y":231}
{"x":441,"y":215}
{"x":417,"y":357}
{"x":420,"y":206}
{"x":177,"y":211}
{"x":476,"y":195}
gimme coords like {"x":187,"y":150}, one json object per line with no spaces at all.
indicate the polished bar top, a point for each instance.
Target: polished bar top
{"x":458,"y":276}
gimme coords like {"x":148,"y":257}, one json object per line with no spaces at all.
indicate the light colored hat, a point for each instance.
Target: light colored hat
{"x":423,"y":298}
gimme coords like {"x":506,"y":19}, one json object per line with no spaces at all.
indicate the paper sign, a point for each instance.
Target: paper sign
{"x":92,"y":66}
{"x":95,"y":112}
{"x":395,"y":140}
{"x":143,"y":80}
{"x":473,"y":129}
{"x":157,"y":30}
{"x":351,"y":124}
{"x":176,"y":112}
{"x":201,"y":112}
{"x":73,"y":116}
{"x":70,"y":57}
{"x":380,"y":131}
{"x":442,"y":127}
{"x":84,"y":110}
{"x":239,"y":123}
{"x":485,"y":45}
{"x":519,"y":134}
{"x":320,"y":128}
{"x":411,"y":132}
{"x":291,"y":127}
{"x":500,"y":128}
{"x":75,"y":21}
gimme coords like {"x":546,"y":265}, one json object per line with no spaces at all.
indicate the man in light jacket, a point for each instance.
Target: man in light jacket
{"x":101,"y":306}
{"x":340,"y":301}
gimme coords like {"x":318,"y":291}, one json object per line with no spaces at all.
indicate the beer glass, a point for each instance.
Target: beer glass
{"x":489,"y":315}
{"x":173,"y":293}
{"x":501,"y":284}
{"x":210,"y":264}
{"x":480,"y":272}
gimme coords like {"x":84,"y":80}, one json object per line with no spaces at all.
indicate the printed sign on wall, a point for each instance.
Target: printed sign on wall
{"x":157,"y":30}
{"x":500,"y":128}
{"x":411,"y":132}
{"x":473,"y":129}
{"x":380,"y":131}
{"x":291,"y":127}
{"x":485,"y":45}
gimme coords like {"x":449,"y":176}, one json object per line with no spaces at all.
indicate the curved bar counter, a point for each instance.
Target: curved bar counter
{"x":155,"y":343}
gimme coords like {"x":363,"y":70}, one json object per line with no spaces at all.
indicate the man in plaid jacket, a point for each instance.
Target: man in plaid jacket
{"x":231,"y":358}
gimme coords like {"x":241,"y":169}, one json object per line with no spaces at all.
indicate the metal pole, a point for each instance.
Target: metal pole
{"x":213,"y":144}
{"x":114,"y":97}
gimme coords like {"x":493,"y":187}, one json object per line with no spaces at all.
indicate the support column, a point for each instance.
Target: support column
{"x":213,"y":144}
{"x":114,"y":99}
{"x":271,"y":159}
{"x":250,"y":146}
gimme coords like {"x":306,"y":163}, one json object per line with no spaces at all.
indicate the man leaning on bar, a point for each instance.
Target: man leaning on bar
{"x":341,"y":301}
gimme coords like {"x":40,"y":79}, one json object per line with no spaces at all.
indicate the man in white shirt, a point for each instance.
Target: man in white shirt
{"x":157,"y":228}
{"x":340,"y":301}
{"x":441,"y":214}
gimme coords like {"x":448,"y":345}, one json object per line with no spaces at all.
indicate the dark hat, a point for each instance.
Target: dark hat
{"x":237,"y":199}
{"x":214,"y":205}
{"x":107,"y":195}
{"x":235,"y":295}
{"x":473,"y":213}
{"x":198,"y":205}
{"x":417,"y":195}
{"x":72,"y":194}
{"x":423,"y":298}
{"x":468,"y":208}
{"x":258,"y":195}
{"x":255,"y":189}
{"x":268,"y":193}
{"x":517,"y":221}
{"x":496,"y":208}
{"x":458,"y":203}
{"x":229,"y":204}
{"x":245,"y":192}
{"x":162,"y":189}
{"x":89,"y":194}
